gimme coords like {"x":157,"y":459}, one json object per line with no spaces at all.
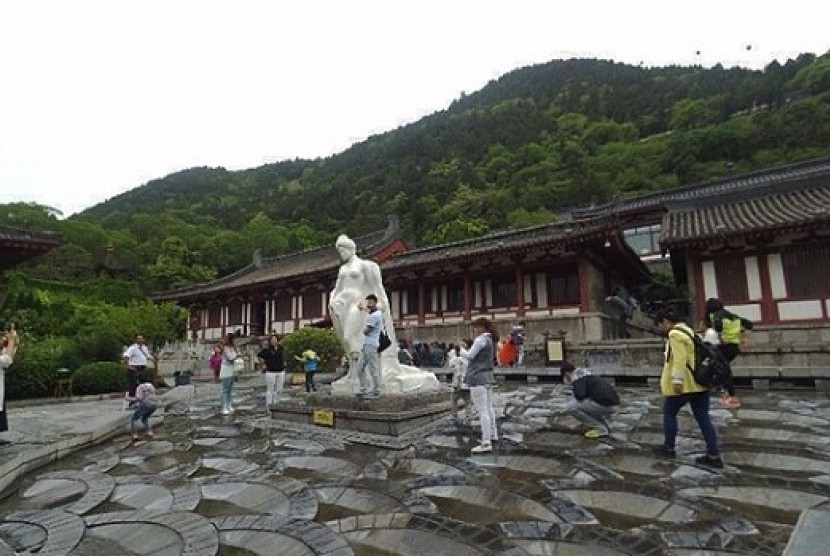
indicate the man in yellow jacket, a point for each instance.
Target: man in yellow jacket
{"x":677,"y":384}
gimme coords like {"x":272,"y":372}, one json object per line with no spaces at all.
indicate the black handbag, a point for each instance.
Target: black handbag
{"x":383,"y":342}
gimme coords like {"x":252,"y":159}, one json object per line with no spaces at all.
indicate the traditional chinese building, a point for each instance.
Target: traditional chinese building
{"x":556,"y":275}
{"x":760,"y":242}
{"x":763,"y":249}
{"x":17,"y":246}
{"x":277,"y":294}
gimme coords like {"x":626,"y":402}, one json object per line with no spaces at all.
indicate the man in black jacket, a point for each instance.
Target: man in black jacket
{"x":594,"y":399}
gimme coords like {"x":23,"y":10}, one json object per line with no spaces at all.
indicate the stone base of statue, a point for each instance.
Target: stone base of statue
{"x":392,"y":420}
{"x":396,"y":378}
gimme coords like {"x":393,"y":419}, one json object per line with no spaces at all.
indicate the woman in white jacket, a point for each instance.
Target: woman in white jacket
{"x":227,"y":375}
{"x":8,"y":348}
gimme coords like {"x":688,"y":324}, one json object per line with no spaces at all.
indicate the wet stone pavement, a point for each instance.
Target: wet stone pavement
{"x":248,"y":484}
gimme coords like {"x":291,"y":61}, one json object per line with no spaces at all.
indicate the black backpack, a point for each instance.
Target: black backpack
{"x":711,"y":369}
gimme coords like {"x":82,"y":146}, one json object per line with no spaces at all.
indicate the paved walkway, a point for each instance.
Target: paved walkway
{"x":249,"y":484}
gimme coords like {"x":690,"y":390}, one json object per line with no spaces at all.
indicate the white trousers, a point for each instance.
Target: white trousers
{"x":274,"y":383}
{"x":482,"y":397}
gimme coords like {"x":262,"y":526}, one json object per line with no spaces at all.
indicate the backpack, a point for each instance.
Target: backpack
{"x":710,"y":369}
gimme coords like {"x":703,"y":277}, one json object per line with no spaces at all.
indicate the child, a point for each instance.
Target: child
{"x":458,"y":365}
{"x":310,"y":361}
{"x":215,"y":362}
{"x":145,"y":404}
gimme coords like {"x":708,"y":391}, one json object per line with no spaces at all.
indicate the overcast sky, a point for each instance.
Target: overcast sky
{"x":100,"y":96}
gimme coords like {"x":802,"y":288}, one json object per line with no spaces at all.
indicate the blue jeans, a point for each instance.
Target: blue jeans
{"x":699,"y":402}
{"x":142,"y":413}
{"x":226,"y":392}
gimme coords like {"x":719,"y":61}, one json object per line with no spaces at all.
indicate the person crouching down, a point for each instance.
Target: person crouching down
{"x":594,"y":400}
{"x":145,"y":404}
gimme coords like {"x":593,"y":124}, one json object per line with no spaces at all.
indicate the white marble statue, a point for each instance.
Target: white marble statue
{"x":356,"y":279}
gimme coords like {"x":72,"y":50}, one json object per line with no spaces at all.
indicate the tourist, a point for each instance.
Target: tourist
{"x":368,"y":364}
{"x":145,"y":404}
{"x":273,"y":368}
{"x":215,"y":362}
{"x":678,"y":386}
{"x":506,"y":355}
{"x":517,"y":334}
{"x":730,"y":329}
{"x":623,"y":309}
{"x":594,"y":399}
{"x":310,"y":363}
{"x":404,"y":355}
{"x":8,"y":349}
{"x":135,"y":359}
{"x":460,"y":388}
{"x":227,"y":375}
{"x":480,"y":379}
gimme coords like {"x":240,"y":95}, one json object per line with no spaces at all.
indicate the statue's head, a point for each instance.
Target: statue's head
{"x":345,"y":247}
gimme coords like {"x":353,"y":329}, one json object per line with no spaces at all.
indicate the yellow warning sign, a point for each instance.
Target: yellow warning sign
{"x":324,"y":417}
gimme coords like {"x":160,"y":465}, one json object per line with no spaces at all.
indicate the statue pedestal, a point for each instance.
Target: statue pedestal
{"x":395,"y":379}
{"x":392,"y":415}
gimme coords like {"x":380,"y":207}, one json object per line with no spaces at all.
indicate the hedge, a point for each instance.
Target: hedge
{"x":99,"y":378}
{"x":324,"y":342}
{"x":34,"y":371}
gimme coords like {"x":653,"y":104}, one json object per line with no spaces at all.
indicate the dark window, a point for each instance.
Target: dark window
{"x":428,"y":299}
{"x":312,"y":304}
{"x":411,"y":302}
{"x":214,"y":316}
{"x":504,"y":291}
{"x":806,"y":271}
{"x":563,"y":286}
{"x":730,"y":275}
{"x":235,"y":313}
{"x":283,"y":312}
{"x":455,"y":296}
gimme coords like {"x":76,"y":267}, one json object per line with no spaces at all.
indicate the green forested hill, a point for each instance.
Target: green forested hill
{"x":528,"y":145}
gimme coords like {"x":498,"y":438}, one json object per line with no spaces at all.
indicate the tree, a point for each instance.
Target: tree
{"x":174,"y":266}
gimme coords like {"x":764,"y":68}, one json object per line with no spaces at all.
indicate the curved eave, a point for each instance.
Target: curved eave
{"x":755,"y":233}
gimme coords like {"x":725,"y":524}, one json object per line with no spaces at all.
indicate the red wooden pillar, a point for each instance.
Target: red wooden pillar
{"x":520,"y":292}
{"x":769,"y":308}
{"x":421,"y":307}
{"x":468,"y":312}
{"x":584,"y":285}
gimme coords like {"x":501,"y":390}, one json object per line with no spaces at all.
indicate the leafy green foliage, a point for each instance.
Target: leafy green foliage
{"x":34,"y":371}
{"x":99,"y":378}
{"x":324,"y":342}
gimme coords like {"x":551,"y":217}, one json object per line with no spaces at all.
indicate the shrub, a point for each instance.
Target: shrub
{"x":99,"y":378}
{"x":34,"y":371}
{"x":324,"y":342}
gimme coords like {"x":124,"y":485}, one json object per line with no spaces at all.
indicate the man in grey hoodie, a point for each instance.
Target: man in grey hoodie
{"x":594,"y":399}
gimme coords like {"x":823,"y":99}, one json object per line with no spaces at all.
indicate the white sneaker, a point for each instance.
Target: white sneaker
{"x":226,"y":411}
{"x":482,"y":448}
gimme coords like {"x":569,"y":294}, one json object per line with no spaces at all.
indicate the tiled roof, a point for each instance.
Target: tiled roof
{"x":511,"y":241}
{"x":291,"y":265}
{"x":9,"y":235}
{"x":817,"y":171}
{"x":775,"y":207}
{"x":17,"y":245}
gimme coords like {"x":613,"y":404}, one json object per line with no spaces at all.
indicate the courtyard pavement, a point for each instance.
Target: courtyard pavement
{"x":248,"y":484}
